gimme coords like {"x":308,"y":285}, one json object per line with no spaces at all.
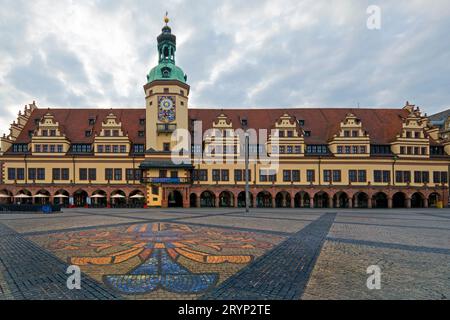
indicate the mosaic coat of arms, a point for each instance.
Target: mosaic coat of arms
{"x":161,"y":255}
{"x":166,"y":109}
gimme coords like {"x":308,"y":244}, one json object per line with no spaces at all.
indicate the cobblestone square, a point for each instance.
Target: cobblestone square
{"x":270,"y":254}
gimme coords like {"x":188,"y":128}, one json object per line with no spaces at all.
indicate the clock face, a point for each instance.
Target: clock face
{"x":166,"y":109}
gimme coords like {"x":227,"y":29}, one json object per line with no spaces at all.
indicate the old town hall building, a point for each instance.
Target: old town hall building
{"x":328,"y":158}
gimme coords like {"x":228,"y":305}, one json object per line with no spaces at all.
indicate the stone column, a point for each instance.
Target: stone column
{"x":284,"y":201}
{"x":330,"y":202}
{"x":217,"y":203}
{"x":302,"y":201}
{"x":197,"y":202}
{"x":292,"y":203}
{"x":425,"y":203}
{"x":369,"y":203}
{"x":350,"y":203}
{"x":408,"y":203}
{"x":311,"y":203}
{"x":389,"y":203}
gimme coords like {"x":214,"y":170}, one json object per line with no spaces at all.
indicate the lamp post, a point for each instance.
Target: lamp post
{"x":247,"y":187}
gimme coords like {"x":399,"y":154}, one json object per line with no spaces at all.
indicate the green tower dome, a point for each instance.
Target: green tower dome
{"x":166,"y":68}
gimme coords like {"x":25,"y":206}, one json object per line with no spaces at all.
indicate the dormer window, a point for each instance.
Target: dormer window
{"x":107,"y":133}
{"x":30,"y":133}
{"x":142,"y":122}
{"x":141,"y":133}
{"x":87,"y":134}
{"x":307,"y":133}
{"x":44,"y":133}
{"x":52,"y":133}
{"x":115,"y":133}
{"x":354,"y":133}
{"x":166,"y":71}
{"x":91,"y":122}
{"x":37,"y":121}
{"x":301,"y":123}
{"x":244,"y":122}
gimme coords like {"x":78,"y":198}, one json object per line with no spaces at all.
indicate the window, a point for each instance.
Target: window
{"x":424,"y":150}
{"x":440,"y":177}
{"x":45,"y":133}
{"x":60,"y":148}
{"x":81,"y":148}
{"x":65,"y":174}
{"x":123,"y":149}
{"x":100,"y":149}
{"x":436,"y":150}
{"x":355,"y":149}
{"x":52,"y":133}
{"x":109,"y":174}
{"x":317,"y":149}
{"x":142,"y":122}
{"x":52,"y":148}
{"x":107,"y":133}
{"x":216,"y":175}
{"x":287,"y":175}
{"x":166,"y":147}
{"x":11,"y":174}
{"x":225,"y":175}
{"x":56,"y":173}
{"x":238,"y":175}
{"x":87,"y":134}
{"x":282,"y":149}
{"x":310,"y":176}
{"x":108,"y":149}
{"x":301,"y":123}
{"x":298,"y":149}
{"x":380,"y":176}
{"x":403,"y":176}
{"x":163,"y":173}
{"x":20,"y":174}
{"x":307,"y":133}
{"x":337,"y":176}
{"x":174,"y":174}
{"x":362,"y":149}
{"x":346,"y":133}
{"x":296,"y":175}
{"x":340,"y":149}
{"x":138,"y":148}
{"x":362,"y":176}
{"x":117,"y":174}
{"x":130,"y":174}
{"x":200,"y":175}
{"x":281,"y":133}
{"x":380,"y":149}
{"x":290,"y":134}
{"x":402,"y":150}
{"x":91,"y":122}
{"x":83,"y":174}
{"x":267,"y":175}
{"x":354,"y":134}
{"x":37,"y":148}
{"x":141,"y":133}
{"x":92,"y":174}
{"x":40,"y":174}
{"x":289,"y":149}
{"x":421,"y":177}
{"x":31,"y":174}
{"x":115,"y":133}
{"x":262,"y":176}
{"x":327,"y":175}
{"x":115,"y":149}
{"x":45,"y":148}
{"x":352,"y":176}
{"x":347,"y":149}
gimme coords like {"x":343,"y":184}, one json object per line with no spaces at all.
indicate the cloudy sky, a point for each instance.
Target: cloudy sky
{"x":253,"y":53}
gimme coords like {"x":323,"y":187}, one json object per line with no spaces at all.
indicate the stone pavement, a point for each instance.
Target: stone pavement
{"x":226,"y":254}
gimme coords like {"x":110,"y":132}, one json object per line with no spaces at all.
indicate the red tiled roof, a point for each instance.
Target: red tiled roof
{"x":382,"y":124}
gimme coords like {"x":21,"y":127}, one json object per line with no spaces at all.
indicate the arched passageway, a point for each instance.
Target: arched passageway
{"x":341,"y":200}
{"x":61,"y":198}
{"x":80,"y":198}
{"x":283,"y":200}
{"x":302,"y":200}
{"x":399,"y":200}
{"x":226,"y":200}
{"x":361,"y":200}
{"x":321,"y":200}
{"x":207,"y":200}
{"x":417,"y":200}
{"x":380,"y":200}
{"x":175,"y":199}
{"x":264,"y":200}
{"x":241,"y":199}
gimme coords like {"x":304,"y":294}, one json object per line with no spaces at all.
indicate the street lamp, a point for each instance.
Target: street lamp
{"x":247,"y":187}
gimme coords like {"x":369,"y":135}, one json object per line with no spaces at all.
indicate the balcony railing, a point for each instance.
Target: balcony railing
{"x":166,"y":128}
{"x":167,"y":180}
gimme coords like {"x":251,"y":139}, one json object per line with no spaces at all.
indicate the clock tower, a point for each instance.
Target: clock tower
{"x":167,"y":95}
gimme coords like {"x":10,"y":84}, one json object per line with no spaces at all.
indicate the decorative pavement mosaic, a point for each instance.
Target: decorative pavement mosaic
{"x":185,"y":254}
